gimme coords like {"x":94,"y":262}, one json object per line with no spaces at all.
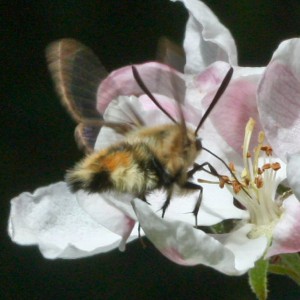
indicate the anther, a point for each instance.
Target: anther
{"x":267,"y":149}
{"x":223,"y":181}
{"x":236,"y":186}
{"x":231,"y":166}
{"x":276,"y":166}
{"x":266,"y":166}
{"x":259,"y":182}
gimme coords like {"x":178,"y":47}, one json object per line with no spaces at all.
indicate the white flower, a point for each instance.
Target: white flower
{"x":74,"y":225}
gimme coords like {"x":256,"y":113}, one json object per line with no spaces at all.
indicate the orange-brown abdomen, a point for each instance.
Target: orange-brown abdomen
{"x":123,"y":167}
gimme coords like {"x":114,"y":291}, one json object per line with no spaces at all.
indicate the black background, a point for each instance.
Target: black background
{"x":37,"y":137}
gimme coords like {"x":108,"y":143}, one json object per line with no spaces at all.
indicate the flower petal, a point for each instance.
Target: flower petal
{"x":199,"y":85}
{"x":279,"y":99}
{"x":112,"y":210}
{"x":52,"y":219}
{"x":286,"y":234}
{"x":206,"y":39}
{"x":158,"y":78}
{"x":231,"y":254}
{"x":293,"y":173}
{"x":235,"y":108}
{"x":211,"y":78}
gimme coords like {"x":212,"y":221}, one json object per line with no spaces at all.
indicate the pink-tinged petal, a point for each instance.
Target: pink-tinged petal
{"x":223,"y":131}
{"x":111,"y":210}
{"x":279,"y":99}
{"x":52,"y":219}
{"x":231,"y":254}
{"x":158,"y":78}
{"x":206,"y":39}
{"x":286,"y":234}
{"x":212,"y":77}
{"x":153,"y":116}
{"x":293,"y":173}
{"x":233,"y":111}
{"x":198,"y":86}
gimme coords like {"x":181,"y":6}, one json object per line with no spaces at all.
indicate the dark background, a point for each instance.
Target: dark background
{"x":37,"y":137}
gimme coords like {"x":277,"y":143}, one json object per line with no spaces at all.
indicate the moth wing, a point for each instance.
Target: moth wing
{"x":86,"y":133}
{"x":173,"y":55}
{"x":77,"y":73}
{"x":170,"y":53}
{"x":85,"y":136}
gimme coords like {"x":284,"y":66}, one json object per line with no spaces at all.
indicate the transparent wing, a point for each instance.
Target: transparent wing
{"x":170,"y":54}
{"x":77,"y":73}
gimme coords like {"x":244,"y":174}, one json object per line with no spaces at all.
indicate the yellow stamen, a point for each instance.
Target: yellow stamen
{"x":255,"y":185}
{"x":261,"y":138}
{"x":248,"y":133}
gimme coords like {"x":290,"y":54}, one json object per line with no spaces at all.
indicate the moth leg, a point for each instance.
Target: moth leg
{"x":143,"y":198}
{"x":167,"y":202}
{"x":193,"y":186}
{"x":197,"y":167}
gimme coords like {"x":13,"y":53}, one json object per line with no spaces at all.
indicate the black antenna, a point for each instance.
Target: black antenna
{"x":142,"y":85}
{"x":218,"y":95}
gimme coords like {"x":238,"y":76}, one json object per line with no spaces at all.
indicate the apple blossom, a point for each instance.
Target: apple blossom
{"x":51,"y":216}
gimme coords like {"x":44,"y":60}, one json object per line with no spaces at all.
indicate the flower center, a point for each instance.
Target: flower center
{"x":255,"y":188}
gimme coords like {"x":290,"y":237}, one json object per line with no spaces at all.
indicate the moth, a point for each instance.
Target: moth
{"x":148,"y":157}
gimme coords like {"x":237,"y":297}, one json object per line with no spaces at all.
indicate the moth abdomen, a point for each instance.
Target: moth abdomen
{"x":124,"y":167}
